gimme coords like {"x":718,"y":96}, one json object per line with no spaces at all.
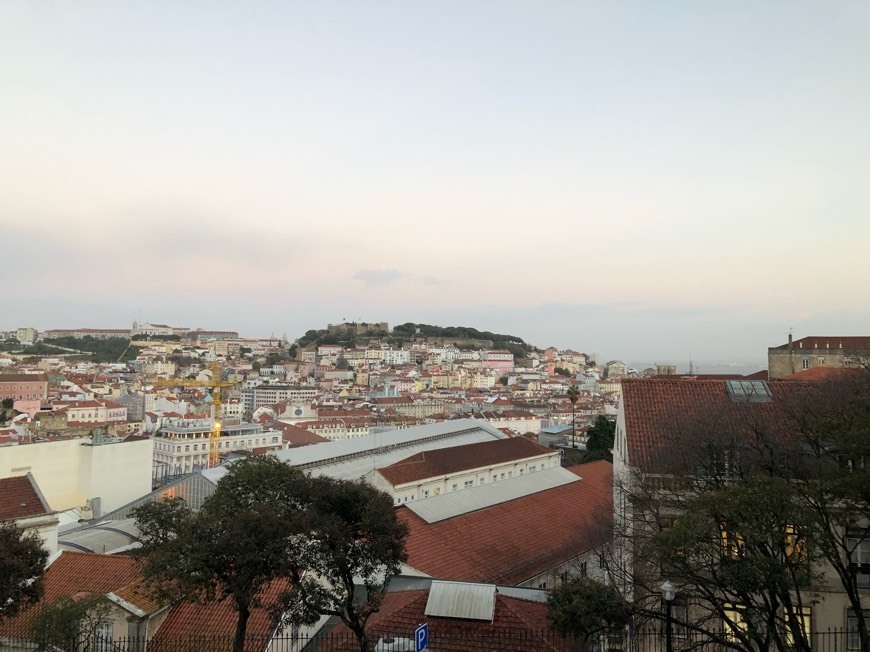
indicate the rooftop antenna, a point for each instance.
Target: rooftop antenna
{"x":691,"y":366}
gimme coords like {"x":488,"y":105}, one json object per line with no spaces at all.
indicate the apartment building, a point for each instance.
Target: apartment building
{"x":181,"y":445}
{"x":443,"y":470}
{"x":24,"y":387}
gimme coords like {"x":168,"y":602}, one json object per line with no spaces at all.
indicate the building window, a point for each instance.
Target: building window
{"x":469,"y":483}
{"x":859,"y":544}
{"x":734,"y":622}
{"x":804,"y":615}
{"x":805,"y":363}
{"x":853,"y":639}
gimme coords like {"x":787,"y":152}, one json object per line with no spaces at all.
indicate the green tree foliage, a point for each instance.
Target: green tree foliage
{"x":108,"y":349}
{"x":755,"y":505}
{"x":828,"y":459}
{"x":310,"y":337}
{"x":267,"y":522}
{"x":582,"y":606}
{"x":600,"y":440}
{"x":742,"y":549}
{"x":22,"y":561}
{"x":67,"y":624}
{"x":242,"y":540}
{"x":563,"y":372}
{"x":352,"y":532}
{"x":275,"y":357}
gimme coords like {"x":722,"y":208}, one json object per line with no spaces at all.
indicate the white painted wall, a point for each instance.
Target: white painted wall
{"x":71,"y":471}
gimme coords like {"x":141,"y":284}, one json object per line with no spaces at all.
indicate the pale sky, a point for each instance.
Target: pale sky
{"x":646,"y":180}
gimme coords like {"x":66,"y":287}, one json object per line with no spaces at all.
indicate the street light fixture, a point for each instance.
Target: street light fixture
{"x":668,"y":595}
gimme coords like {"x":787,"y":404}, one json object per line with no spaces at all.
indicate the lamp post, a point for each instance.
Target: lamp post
{"x":668,"y":595}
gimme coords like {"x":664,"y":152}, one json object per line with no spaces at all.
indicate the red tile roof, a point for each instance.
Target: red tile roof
{"x":445,"y":461}
{"x":517,"y":626}
{"x":75,"y":574}
{"x":296,"y":436}
{"x":20,"y":498}
{"x":827,"y":342}
{"x":217,"y":619}
{"x":514,"y":541}
{"x":658,"y":412}
{"x":822,"y":373}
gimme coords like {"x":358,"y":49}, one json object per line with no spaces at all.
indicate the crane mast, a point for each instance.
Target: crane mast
{"x":215,"y":384}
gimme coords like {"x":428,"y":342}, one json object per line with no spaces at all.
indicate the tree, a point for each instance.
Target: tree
{"x":68,"y":624}
{"x":353,"y":533}
{"x":740,"y":555}
{"x":573,"y":395}
{"x":245,"y":537}
{"x":828,"y":460}
{"x":599,"y":440}
{"x":22,"y":561}
{"x":582,"y":606}
{"x":745,"y":503}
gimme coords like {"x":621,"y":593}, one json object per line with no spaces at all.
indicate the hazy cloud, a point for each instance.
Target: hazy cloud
{"x":374,"y":278}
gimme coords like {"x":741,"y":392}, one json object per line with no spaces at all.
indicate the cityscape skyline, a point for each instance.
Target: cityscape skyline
{"x":646,"y":182}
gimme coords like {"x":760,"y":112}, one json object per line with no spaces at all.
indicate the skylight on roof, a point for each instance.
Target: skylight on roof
{"x":461,"y":600}
{"x":749,"y":391}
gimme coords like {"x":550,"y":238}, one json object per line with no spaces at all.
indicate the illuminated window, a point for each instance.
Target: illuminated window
{"x":735,"y":623}
{"x":795,"y":543}
{"x":803,"y":615}
{"x":733,"y":545}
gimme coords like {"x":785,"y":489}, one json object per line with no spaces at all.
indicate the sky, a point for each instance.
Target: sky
{"x":644,"y":180}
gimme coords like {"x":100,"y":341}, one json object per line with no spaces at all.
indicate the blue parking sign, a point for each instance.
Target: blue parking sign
{"x":421,"y":637}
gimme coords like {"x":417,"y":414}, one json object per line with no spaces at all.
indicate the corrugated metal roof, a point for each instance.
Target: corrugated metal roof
{"x":353,"y":458}
{"x":461,"y":600}
{"x":463,"y":501}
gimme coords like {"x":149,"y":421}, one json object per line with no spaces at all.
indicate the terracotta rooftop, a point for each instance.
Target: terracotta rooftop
{"x":296,"y":436}
{"x":827,"y":342}
{"x":20,"y":498}
{"x":445,"y":461}
{"x":517,"y":625}
{"x":514,"y":541}
{"x":217,"y":619}
{"x":78,"y":574}
{"x":822,"y":373}
{"x":658,"y":412}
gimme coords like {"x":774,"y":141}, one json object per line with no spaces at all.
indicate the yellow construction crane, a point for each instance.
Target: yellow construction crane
{"x":215,"y":384}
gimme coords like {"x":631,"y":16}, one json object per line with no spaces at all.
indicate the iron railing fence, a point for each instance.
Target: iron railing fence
{"x":645,"y":640}
{"x":654,"y":640}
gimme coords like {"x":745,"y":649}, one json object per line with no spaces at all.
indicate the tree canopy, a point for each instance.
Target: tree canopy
{"x":241,"y":541}
{"x":22,"y":561}
{"x":599,"y":440}
{"x":743,"y":513}
{"x":268,"y":522}
{"x":582,"y":606}
{"x":352,"y":532}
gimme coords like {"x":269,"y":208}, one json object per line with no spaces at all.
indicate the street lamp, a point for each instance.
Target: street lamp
{"x":668,"y":595}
